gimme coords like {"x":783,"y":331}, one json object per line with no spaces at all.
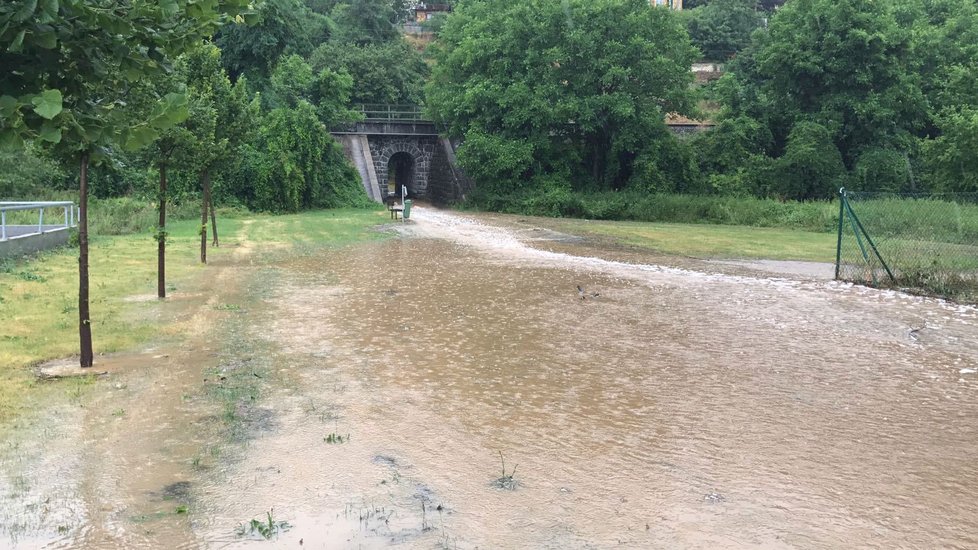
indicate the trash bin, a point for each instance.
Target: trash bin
{"x":407,"y":208}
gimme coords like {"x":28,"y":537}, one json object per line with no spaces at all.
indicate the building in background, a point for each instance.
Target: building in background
{"x":424,"y":11}
{"x":674,"y":4}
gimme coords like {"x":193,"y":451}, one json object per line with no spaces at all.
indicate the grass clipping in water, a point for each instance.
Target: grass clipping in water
{"x":265,"y":528}
{"x":506,"y":481}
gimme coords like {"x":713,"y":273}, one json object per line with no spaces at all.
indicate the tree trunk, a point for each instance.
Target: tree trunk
{"x":210,"y":200}
{"x":84,"y":318}
{"x":161,"y":238}
{"x":205,"y":200}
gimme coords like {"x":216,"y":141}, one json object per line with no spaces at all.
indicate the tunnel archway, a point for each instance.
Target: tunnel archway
{"x":401,"y":173}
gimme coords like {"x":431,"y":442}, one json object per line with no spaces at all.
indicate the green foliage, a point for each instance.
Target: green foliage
{"x":850,"y":67}
{"x":295,"y":164}
{"x":285,"y":27}
{"x":267,"y":528}
{"x":882,"y":170}
{"x":365,"y":21}
{"x":666,"y":207}
{"x":26,"y":173}
{"x":953,"y":157}
{"x":293,"y":82}
{"x":890,"y":82}
{"x":668,"y":165}
{"x":389,"y":72}
{"x":722,"y":28}
{"x":811,"y":167}
{"x":542,"y":89}
{"x":107,"y":51}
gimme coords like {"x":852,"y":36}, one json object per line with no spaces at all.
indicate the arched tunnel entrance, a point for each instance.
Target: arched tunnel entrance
{"x":400,"y":173}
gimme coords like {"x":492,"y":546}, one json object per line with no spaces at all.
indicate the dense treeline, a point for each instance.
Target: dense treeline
{"x":259,"y":101}
{"x":559,"y":101}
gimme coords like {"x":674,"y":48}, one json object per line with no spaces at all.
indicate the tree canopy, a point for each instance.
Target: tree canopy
{"x":545,"y":91}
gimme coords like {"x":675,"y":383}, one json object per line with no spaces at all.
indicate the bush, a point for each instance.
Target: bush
{"x":881,"y":170}
{"x":124,"y":215}
{"x":664,"y":207}
{"x":811,"y":167}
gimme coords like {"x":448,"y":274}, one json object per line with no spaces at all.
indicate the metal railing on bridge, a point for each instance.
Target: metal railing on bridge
{"x":12,"y":224}
{"x":376,"y":112}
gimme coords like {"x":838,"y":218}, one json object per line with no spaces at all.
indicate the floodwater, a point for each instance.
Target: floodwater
{"x":663,"y":406}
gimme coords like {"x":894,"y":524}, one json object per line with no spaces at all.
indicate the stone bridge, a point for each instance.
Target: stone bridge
{"x":393,"y":147}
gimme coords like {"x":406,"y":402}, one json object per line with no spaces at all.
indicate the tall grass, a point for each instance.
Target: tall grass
{"x":937,"y":220}
{"x":671,"y":208}
{"x":124,"y":215}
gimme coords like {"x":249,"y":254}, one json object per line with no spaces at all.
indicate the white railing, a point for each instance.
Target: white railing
{"x":68,"y":207}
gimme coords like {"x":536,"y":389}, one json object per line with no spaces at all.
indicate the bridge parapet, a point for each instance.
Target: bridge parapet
{"x":390,"y":128}
{"x":382,"y":112}
{"x":397,"y":120}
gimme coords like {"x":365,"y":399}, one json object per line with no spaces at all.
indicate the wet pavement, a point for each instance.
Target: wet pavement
{"x":366,"y":397}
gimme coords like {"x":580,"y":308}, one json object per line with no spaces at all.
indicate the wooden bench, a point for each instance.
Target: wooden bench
{"x":403,"y":210}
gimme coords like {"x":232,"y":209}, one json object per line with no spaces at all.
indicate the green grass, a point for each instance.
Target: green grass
{"x":712,"y":241}
{"x":39,"y":295}
{"x":318,"y":228}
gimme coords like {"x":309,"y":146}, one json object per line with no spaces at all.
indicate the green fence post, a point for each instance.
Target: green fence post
{"x":872,"y":245}
{"x":838,"y":246}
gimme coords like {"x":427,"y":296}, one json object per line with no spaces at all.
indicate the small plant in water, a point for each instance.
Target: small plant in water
{"x":267,"y":529}
{"x":336,"y":438}
{"x":506,"y":481}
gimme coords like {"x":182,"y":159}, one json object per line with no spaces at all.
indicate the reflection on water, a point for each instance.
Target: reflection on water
{"x":673,"y":409}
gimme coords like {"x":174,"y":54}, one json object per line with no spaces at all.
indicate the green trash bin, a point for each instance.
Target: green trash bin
{"x":407,"y":208}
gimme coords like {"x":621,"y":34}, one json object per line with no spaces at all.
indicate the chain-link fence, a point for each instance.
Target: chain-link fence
{"x":925,"y":243}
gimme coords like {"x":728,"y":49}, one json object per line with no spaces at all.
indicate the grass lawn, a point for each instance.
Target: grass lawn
{"x":712,"y":241}
{"x":39,"y":295}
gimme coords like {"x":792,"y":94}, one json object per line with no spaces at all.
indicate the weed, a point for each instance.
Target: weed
{"x":506,"y":481}
{"x":182,"y":509}
{"x":119,"y":413}
{"x":227,"y":307}
{"x":267,"y":529}
{"x":30,"y":276}
{"x":336,"y":438}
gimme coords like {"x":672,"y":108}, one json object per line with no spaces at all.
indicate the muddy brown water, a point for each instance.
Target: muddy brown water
{"x":678,"y":408}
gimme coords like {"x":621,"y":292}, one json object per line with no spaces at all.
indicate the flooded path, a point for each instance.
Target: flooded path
{"x":366,"y":396}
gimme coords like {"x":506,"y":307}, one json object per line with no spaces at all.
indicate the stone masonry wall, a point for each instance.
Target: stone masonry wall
{"x":421,"y":149}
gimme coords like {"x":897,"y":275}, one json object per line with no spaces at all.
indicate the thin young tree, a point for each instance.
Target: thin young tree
{"x":222,"y":119}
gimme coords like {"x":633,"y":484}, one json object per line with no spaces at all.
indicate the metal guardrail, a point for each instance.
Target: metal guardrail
{"x":70,"y":216}
{"x":391,"y":113}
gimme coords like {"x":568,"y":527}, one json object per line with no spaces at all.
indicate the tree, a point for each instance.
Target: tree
{"x":365,"y":21}
{"x":573,"y":90}
{"x":284,"y":27}
{"x":850,"y":67}
{"x":294,"y":162}
{"x":68,"y":65}
{"x":952,"y":157}
{"x":389,"y":72}
{"x":220,"y":121}
{"x":811,"y":167}
{"x":722,"y":28}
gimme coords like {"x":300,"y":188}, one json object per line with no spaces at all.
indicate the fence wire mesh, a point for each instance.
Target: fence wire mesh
{"x":925,"y":243}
